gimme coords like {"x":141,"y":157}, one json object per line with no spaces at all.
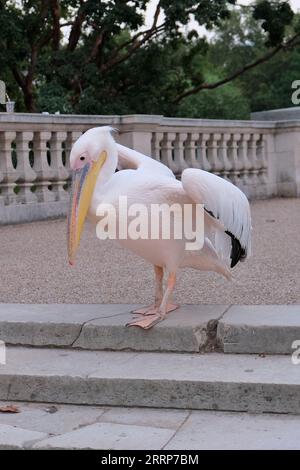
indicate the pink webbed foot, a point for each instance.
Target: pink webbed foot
{"x":150,"y":310}
{"x":146,"y":321}
{"x":171,"y":307}
{"x":151,"y":318}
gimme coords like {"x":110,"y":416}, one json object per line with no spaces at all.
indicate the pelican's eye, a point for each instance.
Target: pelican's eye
{"x":81,"y":161}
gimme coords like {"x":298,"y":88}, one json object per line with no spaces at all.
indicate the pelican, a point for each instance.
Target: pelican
{"x":94,"y":159}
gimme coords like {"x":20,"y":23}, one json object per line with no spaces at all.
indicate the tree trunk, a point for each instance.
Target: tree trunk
{"x":29,"y":99}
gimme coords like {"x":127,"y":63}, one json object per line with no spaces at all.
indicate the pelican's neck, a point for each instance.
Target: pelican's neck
{"x":107,"y":170}
{"x":103,"y":180}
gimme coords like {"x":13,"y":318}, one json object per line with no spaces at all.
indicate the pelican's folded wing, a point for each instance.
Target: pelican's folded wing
{"x":131,"y":159}
{"x":228,"y":204}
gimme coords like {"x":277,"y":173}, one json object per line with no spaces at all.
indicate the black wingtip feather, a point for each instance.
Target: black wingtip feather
{"x":237,"y":252}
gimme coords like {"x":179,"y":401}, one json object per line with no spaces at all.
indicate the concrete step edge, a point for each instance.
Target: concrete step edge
{"x":161,"y":380}
{"x":262,"y":329}
{"x":193,"y":328}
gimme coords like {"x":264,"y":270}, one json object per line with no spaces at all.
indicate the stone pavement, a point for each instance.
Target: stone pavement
{"x":47,"y":426}
{"x":35,"y":269}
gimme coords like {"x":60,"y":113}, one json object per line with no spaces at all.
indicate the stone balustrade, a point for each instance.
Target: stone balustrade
{"x":261,"y":157}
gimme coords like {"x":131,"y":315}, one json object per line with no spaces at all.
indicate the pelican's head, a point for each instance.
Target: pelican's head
{"x":88,"y":155}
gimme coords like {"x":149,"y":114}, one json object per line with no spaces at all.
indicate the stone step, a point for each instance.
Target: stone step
{"x":260,"y":329}
{"x":224,"y":382}
{"x":267,"y":329}
{"x":48,"y":426}
{"x":102,"y":327}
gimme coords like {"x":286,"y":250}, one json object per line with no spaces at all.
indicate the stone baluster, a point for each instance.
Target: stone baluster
{"x":262,"y":159}
{"x":179,"y":153}
{"x":44,"y":172}
{"x":223,"y":156}
{"x":191,"y":150}
{"x":212,"y":152}
{"x":60,"y":172}
{"x":167,"y":150}
{"x":26,"y":175}
{"x":254,"y":163}
{"x":156,"y":140}
{"x":233,"y":157}
{"x":7,"y":169}
{"x":202,"y":155}
{"x":244,"y":160}
{"x":1,"y":179}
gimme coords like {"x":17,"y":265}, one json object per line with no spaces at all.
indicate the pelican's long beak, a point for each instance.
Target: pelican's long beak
{"x":83,"y":185}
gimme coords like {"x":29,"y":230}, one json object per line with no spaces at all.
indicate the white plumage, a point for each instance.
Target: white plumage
{"x":227,"y":221}
{"x":224,"y":201}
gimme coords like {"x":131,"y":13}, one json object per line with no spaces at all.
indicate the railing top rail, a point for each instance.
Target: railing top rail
{"x":56,"y":119}
{"x":136,"y":122}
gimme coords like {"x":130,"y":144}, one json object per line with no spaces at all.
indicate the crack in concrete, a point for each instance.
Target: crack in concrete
{"x":90,"y":320}
{"x":225,"y":311}
{"x":178,"y":429}
{"x":27,"y":445}
{"x":212,"y":343}
{"x":8,"y":390}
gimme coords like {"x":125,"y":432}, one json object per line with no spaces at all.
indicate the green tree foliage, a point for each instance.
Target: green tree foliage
{"x":240,"y":40}
{"x":275,"y":16}
{"x":98,"y":57}
{"x":227,"y":102}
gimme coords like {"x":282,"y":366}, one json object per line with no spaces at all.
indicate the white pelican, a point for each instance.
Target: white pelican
{"x":94,"y":159}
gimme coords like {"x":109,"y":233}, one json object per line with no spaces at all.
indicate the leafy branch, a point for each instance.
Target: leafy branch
{"x":210,"y":86}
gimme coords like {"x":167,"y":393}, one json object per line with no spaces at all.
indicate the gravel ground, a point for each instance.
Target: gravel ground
{"x":35,"y":268}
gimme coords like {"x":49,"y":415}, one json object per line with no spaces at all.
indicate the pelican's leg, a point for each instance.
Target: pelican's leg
{"x":160,"y":313}
{"x":159,"y":275}
{"x":166,"y":306}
